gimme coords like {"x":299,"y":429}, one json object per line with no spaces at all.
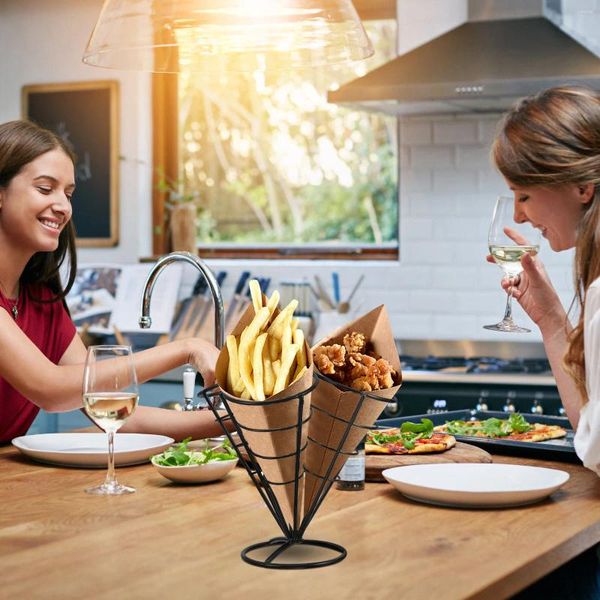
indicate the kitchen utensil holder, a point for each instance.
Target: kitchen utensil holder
{"x":293,"y":534}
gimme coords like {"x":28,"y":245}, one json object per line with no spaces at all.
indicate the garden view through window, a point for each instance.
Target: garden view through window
{"x":271,"y":163}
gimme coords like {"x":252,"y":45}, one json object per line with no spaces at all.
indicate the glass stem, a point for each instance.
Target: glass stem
{"x":110,"y":475}
{"x":508,"y":311}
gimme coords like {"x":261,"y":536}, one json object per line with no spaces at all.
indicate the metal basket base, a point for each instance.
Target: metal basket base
{"x":281,"y":545}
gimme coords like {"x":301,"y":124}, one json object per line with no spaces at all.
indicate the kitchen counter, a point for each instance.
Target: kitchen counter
{"x":169,"y":541}
{"x":546,"y":379}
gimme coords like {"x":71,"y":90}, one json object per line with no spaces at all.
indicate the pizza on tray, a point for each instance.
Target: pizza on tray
{"x":410,"y":438}
{"x":514,"y":428}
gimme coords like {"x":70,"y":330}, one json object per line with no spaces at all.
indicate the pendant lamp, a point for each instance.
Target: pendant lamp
{"x":169,"y":36}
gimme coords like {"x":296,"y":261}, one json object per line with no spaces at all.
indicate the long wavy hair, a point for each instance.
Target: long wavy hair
{"x":553,"y":139}
{"x":20,"y":143}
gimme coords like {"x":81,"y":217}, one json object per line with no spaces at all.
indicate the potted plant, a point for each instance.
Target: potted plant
{"x":182,"y":212}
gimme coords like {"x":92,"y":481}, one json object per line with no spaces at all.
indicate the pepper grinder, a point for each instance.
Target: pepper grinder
{"x":189,"y":383}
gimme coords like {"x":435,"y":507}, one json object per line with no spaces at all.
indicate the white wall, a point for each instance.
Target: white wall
{"x":442,"y":288}
{"x":42,"y":41}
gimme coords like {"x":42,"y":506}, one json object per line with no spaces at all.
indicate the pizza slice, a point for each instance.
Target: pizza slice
{"x":539,"y":433}
{"x":410,"y":438}
{"x":515,"y":428}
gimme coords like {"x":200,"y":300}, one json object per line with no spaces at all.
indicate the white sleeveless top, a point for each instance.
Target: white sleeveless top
{"x":587,"y":437}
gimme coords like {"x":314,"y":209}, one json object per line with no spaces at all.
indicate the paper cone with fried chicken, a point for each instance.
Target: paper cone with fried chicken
{"x":265,"y":367}
{"x":360,"y":370}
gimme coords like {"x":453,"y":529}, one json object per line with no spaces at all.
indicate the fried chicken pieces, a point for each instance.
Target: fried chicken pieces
{"x":353,"y":365}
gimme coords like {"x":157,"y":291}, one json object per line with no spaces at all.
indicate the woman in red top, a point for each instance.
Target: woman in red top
{"x":41,"y":355}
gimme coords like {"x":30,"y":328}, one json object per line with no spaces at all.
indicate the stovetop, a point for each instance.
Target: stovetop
{"x":442,"y":375}
{"x":475,"y":365}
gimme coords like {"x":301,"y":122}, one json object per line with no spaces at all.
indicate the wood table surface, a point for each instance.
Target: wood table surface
{"x":170,"y":541}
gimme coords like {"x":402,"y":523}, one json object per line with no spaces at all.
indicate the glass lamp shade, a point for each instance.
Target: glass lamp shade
{"x":169,"y":36}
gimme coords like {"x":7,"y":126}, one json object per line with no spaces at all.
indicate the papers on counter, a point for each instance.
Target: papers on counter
{"x":105,"y":296}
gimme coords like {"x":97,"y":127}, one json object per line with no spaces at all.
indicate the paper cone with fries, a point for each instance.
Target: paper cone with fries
{"x":265,"y":368}
{"x":360,"y":371}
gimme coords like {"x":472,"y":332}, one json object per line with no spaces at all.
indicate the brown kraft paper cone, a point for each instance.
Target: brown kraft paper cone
{"x":275,"y":451}
{"x":342,"y":403}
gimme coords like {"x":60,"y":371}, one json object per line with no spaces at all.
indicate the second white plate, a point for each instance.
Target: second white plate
{"x":91,"y":449}
{"x":476,"y":485}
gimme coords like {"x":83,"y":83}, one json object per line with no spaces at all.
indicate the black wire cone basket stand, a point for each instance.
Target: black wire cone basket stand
{"x":293,"y":533}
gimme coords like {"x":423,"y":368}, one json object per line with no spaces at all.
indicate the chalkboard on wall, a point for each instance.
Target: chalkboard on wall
{"x":85,"y":114}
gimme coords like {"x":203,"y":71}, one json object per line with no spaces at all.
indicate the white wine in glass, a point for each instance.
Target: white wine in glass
{"x":110,"y":395}
{"x":508,"y":242}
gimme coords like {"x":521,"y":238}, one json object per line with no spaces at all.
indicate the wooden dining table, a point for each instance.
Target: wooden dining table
{"x":176,"y":541}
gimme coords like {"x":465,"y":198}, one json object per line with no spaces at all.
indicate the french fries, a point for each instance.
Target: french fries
{"x":270,"y":353}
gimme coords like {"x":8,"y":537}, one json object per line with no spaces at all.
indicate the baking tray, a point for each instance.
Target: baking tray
{"x":558,"y":449}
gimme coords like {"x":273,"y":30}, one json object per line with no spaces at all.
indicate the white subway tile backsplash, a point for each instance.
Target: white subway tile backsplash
{"x":416,"y":180}
{"x":457,"y":131}
{"x":487,"y":128}
{"x":447,"y":325}
{"x":475,"y":205}
{"x":492,"y":182}
{"x":459,"y":228}
{"x":454,"y":180}
{"x":429,"y":205}
{"x":415,"y":133}
{"x":405,"y":277}
{"x":410,"y":326}
{"x":478,"y":302}
{"x":473,"y":157}
{"x":432,"y":301}
{"x":429,"y":157}
{"x":457,"y":278}
{"x":473,"y":250}
{"x":428,"y":253}
{"x":416,"y":229}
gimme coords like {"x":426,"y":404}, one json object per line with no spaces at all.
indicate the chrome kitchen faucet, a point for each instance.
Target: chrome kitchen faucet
{"x":215,"y":291}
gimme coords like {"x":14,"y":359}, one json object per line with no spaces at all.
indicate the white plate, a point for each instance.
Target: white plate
{"x":91,"y":449}
{"x":475,"y":485}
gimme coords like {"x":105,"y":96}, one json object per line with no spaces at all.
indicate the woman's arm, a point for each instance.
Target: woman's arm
{"x":198,"y":423}
{"x":57,"y":388}
{"x":555,"y":343}
{"x":536,"y":294}
{"x":147,"y":419}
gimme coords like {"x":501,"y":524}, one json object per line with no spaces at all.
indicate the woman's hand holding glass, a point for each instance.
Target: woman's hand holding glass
{"x":110,"y":395}
{"x":508,"y":243}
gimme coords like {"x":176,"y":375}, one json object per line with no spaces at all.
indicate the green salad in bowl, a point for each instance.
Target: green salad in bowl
{"x":184,"y":465}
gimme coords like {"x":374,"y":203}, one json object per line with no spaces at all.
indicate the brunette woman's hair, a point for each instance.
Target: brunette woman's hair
{"x":20,"y":143}
{"x":553,"y":139}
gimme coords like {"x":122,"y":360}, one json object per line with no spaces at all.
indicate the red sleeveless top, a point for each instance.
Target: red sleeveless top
{"x":50,"y":328}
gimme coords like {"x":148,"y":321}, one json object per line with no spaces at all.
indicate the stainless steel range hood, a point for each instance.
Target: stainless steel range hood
{"x":481,"y":66}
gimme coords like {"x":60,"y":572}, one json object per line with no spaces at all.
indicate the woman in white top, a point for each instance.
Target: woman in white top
{"x":548,"y":150}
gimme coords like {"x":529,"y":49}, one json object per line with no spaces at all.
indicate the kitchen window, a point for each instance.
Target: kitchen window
{"x":275,"y":170}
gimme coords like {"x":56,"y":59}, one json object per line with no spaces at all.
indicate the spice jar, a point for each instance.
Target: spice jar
{"x":352,"y":474}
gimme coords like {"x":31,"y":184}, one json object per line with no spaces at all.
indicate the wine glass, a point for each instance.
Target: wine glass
{"x":508,"y":241}
{"x":110,"y":395}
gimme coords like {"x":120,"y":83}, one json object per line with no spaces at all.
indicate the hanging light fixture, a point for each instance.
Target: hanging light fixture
{"x":168,"y":36}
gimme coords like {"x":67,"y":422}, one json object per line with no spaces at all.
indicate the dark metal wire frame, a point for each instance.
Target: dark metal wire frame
{"x":251,"y":464}
{"x":283,"y":544}
{"x":293,"y":533}
{"x":327,"y":479}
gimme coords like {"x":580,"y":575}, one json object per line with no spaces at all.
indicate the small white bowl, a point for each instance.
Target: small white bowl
{"x":197,"y":473}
